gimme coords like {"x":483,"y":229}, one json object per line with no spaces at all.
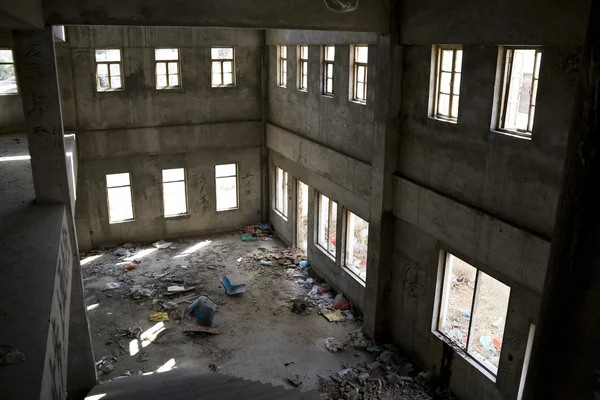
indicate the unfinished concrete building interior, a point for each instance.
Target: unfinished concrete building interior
{"x":319,"y":199}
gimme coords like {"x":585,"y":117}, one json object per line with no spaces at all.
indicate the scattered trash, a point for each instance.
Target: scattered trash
{"x":213,"y":367}
{"x":288,"y":363}
{"x":303,"y":265}
{"x":105,"y":363}
{"x":240,"y":259}
{"x":333,"y":346}
{"x":341,"y":305}
{"x":159,"y":317}
{"x":112,"y":285}
{"x":465,"y":313}
{"x":200,"y":329}
{"x":299,"y":306}
{"x":206,"y":310}
{"x":184,"y":266}
{"x":497,"y":343}
{"x":246,"y":237}
{"x":176,"y":289}
{"x":161,"y":244}
{"x":172,"y":247}
{"x":107,"y":368}
{"x":374,"y":365}
{"x":358,"y":340}
{"x":331,"y":314}
{"x":183,"y":299}
{"x":130,"y":266}
{"x":137,"y":291}
{"x":266,"y":263}
{"x":168,"y":305}
{"x":487,"y":343}
{"x":253,"y":233}
{"x":295,"y":381}
{"x":10,"y":355}
{"x":232,"y":290}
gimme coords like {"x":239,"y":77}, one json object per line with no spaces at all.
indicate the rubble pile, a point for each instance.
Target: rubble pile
{"x":390,"y":376}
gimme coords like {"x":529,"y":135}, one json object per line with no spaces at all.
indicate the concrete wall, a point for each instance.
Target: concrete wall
{"x":485,"y":197}
{"x":142,"y":130}
{"x":325,"y":142}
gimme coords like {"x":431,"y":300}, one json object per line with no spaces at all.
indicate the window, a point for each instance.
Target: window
{"x":222,"y":66}
{"x":8,"y":80}
{"x":108,"y":69}
{"x":519,"y":92}
{"x":447,"y":83}
{"x":303,"y":68}
{"x":167,"y":68}
{"x":174,"y":198}
{"x":327,"y":224}
{"x":281,"y":191}
{"x":226,"y":183}
{"x":328,"y":60}
{"x":359,"y":86}
{"x":357,"y":244}
{"x":282,"y":79}
{"x":473,"y":311}
{"x":120,"y":205}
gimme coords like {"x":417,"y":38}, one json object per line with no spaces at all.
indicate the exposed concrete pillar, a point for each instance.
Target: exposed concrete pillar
{"x":565,"y":363}
{"x":385,"y":154}
{"x":37,"y":79}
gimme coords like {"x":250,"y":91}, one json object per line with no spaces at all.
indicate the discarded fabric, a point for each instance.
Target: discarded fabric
{"x":113,"y":285}
{"x":303,"y":265}
{"x":161,"y":244}
{"x":159,"y":317}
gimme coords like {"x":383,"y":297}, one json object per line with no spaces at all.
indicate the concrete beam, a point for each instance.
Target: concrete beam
{"x":296,"y":37}
{"x":22,"y":14}
{"x":371,"y":16}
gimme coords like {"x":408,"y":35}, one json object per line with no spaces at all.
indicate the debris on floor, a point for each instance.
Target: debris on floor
{"x":205,"y":309}
{"x":10,"y":355}
{"x":334,"y":346}
{"x":159,"y":317}
{"x":232,"y":290}
{"x":161,"y":244}
{"x":256,"y":232}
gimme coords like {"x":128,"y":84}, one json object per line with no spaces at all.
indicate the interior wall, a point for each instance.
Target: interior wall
{"x":486,"y":197}
{"x":142,"y":130}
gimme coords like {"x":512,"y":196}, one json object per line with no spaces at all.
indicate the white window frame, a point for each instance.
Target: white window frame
{"x":237,"y":190}
{"x":282,"y":66}
{"x":328,"y":61}
{"x":349,"y":231}
{"x":327,"y":249}
{"x":110,"y":220}
{"x":185,"y":194}
{"x":355,"y":75}
{"x":444,"y":283}
{"x":108,"y":64}
{"x":222,"y":62}
{"x":507,"y":53}
{"x":12,"y":64}
{"x":282,"y":208}
{"x":303,"y":68}
{"x":168,"y":74}
{"x":454,"y":92}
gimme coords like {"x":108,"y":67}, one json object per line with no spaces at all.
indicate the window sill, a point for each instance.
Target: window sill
{"x":170,"y":88}
{"x":282,"y":86}
{"x":109,"y":90}
{"x":445,"y":120}
{"x":517,"y":135}
{"x":466,"y":356}
{"x":177,"y":216}
{"x":281,"y":215}
{"x":303,"y":90}
{"x":222,"y":86}
{"x":228,"y":209}
{"x":355,"y":276}
{"x":10,"y":94}
{"x":362,"y":103}
{"x":327,"y":95}
{"x":323,"y":250}
{"x":120,"y":222}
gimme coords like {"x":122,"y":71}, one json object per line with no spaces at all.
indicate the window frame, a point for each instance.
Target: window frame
{"x":355,"y":67}
{"x":302,"y":68}
{"x":347,"y":234}
{"x":285,"y":188}
{"x":443,"y":280}
{"x":326,"y":249}
{"x":167,"y":74}
{"x":439,"y":49}
{"x":282,"y":66}
{"x":108,"y":64}
{"x":507,"y":53}
{"x":185,"y":192}
{"x":237,"y":187}
{"x":326,"y":77}
{"x":12,"y":54}
{"x":222,"y":61}
{"x":130,"y":185}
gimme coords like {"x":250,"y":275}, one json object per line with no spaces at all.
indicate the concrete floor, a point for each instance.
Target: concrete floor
{"x":261,"y":338}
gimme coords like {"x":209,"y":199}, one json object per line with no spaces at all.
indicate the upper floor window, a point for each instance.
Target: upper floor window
{"x":519,"y":90}
{"x":448,"y":63}
{"x":282,"y":66}
{"x":328,"y":60}
{"x":360,"y":59}
{"x":120,"y":204}
{"x":222,"y":66}
{"x":303,"y":68}
{"x":8,"y":80}
{"x":108,"y":69}
{"x":167,"y":68}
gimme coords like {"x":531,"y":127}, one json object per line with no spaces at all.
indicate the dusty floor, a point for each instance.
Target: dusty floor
{"x":261,"y":339}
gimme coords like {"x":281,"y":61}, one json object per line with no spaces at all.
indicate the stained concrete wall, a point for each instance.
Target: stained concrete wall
{"x":462,"y":188}
{"x":142,"y":130}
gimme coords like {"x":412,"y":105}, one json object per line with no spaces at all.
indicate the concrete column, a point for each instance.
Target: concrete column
{"x":385,"y":154}
{"x":565,"y":362}
{"x":37,"y":79}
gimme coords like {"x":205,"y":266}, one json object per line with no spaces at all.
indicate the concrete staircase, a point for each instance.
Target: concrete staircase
{"x":187,"y":383}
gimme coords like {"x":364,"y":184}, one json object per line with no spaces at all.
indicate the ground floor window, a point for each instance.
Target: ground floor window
{"x":174,"y":195}
{"x":120,"y":204}
{"x":473,"y":311}
{"x":357,"y":244}
{"x":226,"y":183}
{"x":327,"y":224}
{"x":281,"y":190}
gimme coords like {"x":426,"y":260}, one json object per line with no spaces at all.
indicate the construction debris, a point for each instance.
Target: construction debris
{"x":161,"y":244}
{"x":333,"y":346}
